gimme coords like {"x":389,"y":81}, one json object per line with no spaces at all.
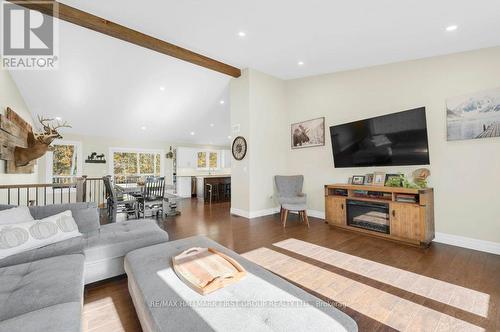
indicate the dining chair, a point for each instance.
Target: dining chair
{"x":152,"y":196}
{"x":119,"y":203}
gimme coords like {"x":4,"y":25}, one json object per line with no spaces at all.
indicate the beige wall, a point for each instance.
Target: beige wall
{"x":10,"y":97}
{"x":465,"y":174}
{"x":240,"y":115}
{"x":103,"y":144}
{"x":100,"y":145}
{"x":258,"y":107}
{"x":268,"y":138}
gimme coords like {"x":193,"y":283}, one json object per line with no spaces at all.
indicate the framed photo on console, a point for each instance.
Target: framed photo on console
{"x":358,"y":179}
{"x":378,"y":179}
{"x":369,"y":179}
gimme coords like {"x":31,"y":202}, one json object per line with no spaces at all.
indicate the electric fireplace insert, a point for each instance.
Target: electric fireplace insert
{"x":368,"y":215}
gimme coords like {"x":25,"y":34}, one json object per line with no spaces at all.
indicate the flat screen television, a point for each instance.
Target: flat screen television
{"x":390,"y":140}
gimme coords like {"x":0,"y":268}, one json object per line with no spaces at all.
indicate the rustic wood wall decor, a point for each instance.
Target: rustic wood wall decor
{"x":19,"y":146}
{"x":14,"y":133}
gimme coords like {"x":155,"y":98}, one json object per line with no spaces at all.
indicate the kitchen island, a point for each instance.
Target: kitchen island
{"x":219,"y":182}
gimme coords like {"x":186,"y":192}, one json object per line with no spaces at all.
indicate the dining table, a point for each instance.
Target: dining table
{"x":129,"y":188}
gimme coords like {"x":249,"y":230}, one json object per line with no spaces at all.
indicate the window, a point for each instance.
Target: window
{"x":131,"y":163}
{"x":208,"y":160}
{"x":64,"y":162}
{"x":202,"y":160}
{"x":212,"y":161}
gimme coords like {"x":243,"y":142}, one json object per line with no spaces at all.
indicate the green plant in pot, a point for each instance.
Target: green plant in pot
{"x":402,"y":181}
{"x":407,"y":184}
{"x":395,"y":181}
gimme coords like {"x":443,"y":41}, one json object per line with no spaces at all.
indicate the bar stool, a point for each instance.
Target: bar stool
{"x":221,"y":189}
{"x":215,"y":192}
{"x":208,"y":193}
{"x":227,"y":191}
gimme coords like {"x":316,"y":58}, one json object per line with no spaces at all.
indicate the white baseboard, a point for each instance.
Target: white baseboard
{"x":262,"y":213}
{"x":271,"y":211}
{"x":240,"y":213}
{"x":467,"y":242}
{"x":316,"y":214}
{"x":254,"y":214}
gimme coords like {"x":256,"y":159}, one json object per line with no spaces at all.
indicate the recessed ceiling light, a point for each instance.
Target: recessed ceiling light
{"x":229,"y":137}
{"x":162,"y":88}
{"x":452,"y":28}
{"x":143,"y":128}
{"x":242,"y":34}
{"x":58,"y":118}
{"x":300,"y":63}
{"x":211,"y":125}
{"x":192,"y":133}
{"x":222,"y":102}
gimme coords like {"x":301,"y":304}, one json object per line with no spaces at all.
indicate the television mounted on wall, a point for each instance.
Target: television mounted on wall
{"x":398,"y":139}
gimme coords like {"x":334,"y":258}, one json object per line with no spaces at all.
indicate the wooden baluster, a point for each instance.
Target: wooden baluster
{"x":81,"y":189}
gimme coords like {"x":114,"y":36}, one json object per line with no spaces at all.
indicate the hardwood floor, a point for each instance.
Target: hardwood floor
{"x":383,"y":285}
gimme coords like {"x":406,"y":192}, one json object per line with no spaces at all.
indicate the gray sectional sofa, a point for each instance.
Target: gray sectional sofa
{"x":42,"y":289}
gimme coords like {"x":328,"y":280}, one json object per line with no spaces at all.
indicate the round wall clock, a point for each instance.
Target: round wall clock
{"x":239,"y":148}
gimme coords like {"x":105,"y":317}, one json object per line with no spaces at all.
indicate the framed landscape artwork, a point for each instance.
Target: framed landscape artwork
{"x":308,"y":133}
{"x":474,"y":116}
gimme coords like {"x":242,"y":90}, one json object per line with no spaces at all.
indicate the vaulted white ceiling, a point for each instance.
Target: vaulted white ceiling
{"x":327,"y":35}
{"x":106,"y":86}
{"x":110,"y":88}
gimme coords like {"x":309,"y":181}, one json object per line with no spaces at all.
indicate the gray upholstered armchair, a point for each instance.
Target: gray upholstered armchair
{"x":290,"y":196}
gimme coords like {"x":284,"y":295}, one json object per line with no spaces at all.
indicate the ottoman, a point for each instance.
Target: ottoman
{"x":261,"y":301}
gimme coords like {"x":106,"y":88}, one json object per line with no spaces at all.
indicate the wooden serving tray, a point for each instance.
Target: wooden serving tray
{"x":206,"y":269}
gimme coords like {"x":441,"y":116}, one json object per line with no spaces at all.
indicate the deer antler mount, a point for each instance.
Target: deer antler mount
{"x":39,"y":143}
{"x":20,"y":146}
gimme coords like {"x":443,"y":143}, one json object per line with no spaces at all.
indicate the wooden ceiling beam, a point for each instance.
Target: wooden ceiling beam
{"x":99,"y":24}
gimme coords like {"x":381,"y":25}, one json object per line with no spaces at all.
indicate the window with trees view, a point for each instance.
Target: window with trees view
{"x":208,"y":160}
{"x":202,"y":159}
{"x":133,"y":163}
{"x":63,"y":163}
{"x":212,"y":160}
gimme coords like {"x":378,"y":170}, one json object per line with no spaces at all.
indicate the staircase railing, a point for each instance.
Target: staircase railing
{"x":94,"y":191}
{"x":84,"y":189}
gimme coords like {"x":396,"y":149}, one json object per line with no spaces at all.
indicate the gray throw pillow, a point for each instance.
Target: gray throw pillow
{"x":15,"y":215}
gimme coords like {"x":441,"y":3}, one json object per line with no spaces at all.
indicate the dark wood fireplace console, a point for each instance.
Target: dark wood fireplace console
{"x":398,"y":214}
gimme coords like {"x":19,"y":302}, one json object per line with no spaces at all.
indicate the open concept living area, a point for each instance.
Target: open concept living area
{"x":249,"y":165}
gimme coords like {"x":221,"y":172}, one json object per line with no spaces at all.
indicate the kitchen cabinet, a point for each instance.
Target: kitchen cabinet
{"x":184,"y":186}
{"x":227,"y":158}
